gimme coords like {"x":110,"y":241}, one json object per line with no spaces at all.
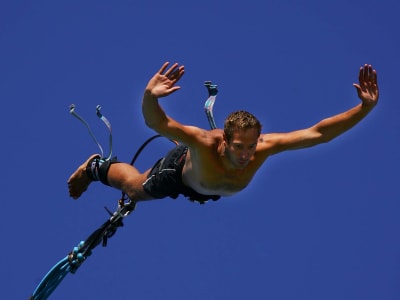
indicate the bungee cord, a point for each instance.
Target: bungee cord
{"x":209,"y":104}
{"x":108,"y":125}
{"x":72,"y":112}
{"x":79,"y":254}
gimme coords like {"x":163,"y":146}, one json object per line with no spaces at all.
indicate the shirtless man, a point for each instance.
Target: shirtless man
{"x":212,"y":163}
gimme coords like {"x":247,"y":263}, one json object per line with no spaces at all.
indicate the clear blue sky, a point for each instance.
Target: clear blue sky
{"x":320,"y":223}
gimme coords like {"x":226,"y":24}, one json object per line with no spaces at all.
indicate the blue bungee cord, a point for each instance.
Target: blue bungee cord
{"x":108,"y":124}
{"x":80,"y":253}
{"x":209,"y":104}
{"x":72,"y":262}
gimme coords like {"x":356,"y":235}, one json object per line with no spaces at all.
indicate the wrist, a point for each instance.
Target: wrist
{"x":148,"y":94}
{"x":368,"y":105}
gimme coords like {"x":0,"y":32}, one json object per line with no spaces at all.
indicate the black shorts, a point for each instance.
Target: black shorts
{"x":165,"y":178}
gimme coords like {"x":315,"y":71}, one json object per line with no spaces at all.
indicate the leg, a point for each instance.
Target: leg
{"x":120,"y":175}
{"x":128,"y":179}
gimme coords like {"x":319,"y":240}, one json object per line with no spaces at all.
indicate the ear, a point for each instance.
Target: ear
{"x":225,"y":139}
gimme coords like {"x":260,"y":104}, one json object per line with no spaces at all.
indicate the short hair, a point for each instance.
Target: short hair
{"x":240,"y":120}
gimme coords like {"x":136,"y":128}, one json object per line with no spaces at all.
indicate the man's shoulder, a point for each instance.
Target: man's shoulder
{"x":209,"y":142}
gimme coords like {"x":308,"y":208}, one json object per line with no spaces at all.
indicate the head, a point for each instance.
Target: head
{"x":241,"y":133}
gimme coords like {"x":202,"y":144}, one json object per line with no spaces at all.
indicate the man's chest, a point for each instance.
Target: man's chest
{"x":213,"y":178}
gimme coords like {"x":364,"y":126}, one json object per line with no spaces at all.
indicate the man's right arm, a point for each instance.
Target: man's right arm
{"x":160,"y":85}
{"x":154,"y":115}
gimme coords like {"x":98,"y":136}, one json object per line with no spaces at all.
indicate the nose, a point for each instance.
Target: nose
{"x":245,"y":155}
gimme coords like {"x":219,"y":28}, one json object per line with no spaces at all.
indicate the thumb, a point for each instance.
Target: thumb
{"x":358,"y":88}
{"x":170,"y":91}
{"x":174,"y":89}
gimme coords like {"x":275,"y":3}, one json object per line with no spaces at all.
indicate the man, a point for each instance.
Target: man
{"x":212,"y":163}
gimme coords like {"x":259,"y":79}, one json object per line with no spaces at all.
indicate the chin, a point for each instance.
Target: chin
{"x":242,"y":166}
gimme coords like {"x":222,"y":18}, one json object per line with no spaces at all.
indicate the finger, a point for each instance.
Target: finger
{"x":164,"y":66}
{"x":370,"y":73}
{"x":171,"y":70}
{"x":177,"y":74}
{"x":181,"y":72}
{"x":175,"y":88}
{"x":174,"y":73}
{"x":358,"y":88}
{"x":171,"y":90}
{"x":375,"y":77}
{"x":365,"y":73}
{"x":361,"y":75}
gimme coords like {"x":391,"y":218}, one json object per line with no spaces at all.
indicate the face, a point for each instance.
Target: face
{"x":241,"y":148}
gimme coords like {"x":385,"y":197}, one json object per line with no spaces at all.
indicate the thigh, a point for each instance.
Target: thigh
{"x":129,"y":180}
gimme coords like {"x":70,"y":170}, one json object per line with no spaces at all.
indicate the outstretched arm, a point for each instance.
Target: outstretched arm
{"x":162,"y":84}
{"x":329,"y":128}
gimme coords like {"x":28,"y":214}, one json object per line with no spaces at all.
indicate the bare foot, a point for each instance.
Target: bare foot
{"x":79,"y":180}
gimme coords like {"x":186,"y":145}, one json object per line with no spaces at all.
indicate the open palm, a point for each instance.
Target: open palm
{"x":162,"y":84}
{"x":367,"y":89}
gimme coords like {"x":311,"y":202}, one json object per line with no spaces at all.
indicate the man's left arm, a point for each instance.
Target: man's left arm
{"x":330,"y":128}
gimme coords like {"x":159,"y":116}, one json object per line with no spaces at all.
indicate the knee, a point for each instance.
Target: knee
{"x":133,"y":187}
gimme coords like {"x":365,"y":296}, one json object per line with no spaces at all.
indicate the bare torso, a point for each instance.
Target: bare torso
{"x":207,"y":169}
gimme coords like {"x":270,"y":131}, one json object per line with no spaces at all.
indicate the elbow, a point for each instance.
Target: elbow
{"x":159,"y":125}
{"x":153,"y":125}
{"x":325,"y":138}
{"x":322,"y":136}
{"x":148,"y":124}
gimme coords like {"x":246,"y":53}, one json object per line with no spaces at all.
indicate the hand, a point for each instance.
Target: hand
{"x":162,"y":84}
{"x":367,"y":89}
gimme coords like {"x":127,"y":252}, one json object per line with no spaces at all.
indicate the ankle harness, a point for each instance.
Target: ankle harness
{"x":97,"y":169}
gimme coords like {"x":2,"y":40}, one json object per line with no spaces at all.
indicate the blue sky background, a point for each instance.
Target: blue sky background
{"x":314,"y":224}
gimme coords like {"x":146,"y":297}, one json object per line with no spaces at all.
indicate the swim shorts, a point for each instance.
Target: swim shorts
{"x":165,"y":178}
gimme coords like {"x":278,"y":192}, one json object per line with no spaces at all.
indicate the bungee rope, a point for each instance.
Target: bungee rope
{"x":108,"y":124}
{"x":209,"y":104}
{"x":72,"y":112}
{"x":79,"y":254}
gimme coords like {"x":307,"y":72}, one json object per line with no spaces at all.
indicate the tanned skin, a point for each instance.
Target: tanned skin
{"x":215,"y":165}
